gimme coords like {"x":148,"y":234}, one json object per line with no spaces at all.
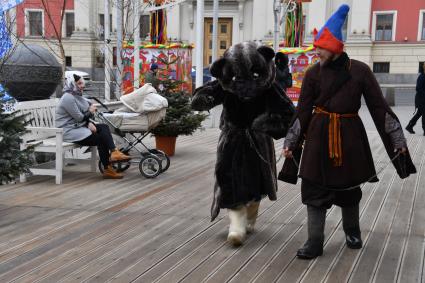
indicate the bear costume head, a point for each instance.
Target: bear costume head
{"x":245,"y":69}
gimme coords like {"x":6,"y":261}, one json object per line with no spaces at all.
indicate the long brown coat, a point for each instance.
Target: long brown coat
{"x":339,"y":88}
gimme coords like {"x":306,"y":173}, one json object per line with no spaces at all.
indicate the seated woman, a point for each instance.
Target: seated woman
{"x":73,"y":114}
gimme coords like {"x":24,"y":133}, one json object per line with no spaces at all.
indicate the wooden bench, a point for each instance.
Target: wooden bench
{"x":45,"y":137}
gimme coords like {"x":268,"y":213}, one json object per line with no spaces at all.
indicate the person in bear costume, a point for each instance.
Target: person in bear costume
{"x":255,"y":110}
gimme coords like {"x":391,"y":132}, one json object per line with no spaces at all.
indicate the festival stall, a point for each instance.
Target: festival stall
{"x":300,"y":59}
{"x":173,"y":60}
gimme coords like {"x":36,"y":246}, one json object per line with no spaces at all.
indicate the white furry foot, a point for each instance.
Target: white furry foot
{"x":235,"y":238}
{"x":238,"y":224}
{"x":252,"y":213}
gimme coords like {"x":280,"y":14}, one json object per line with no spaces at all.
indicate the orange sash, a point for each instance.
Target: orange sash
{"x":335,"y":147}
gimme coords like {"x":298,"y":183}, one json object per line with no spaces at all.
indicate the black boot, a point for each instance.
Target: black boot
{"x":351,"y":226}
{"x":409,"y":127}
{"x":316,"y":227}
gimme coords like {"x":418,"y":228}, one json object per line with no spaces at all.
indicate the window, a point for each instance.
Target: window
{"x":223,"y":28}
{"x":68,"y":61}
{"x":144,"y":26}
{"x":35,"y":23}
{"x":384,"y":26}
{"x":114,"y":56}
{"x":69,"y":24}
{"x":421,"y":27}
{"x":102,"y":25}
{"x":223,"y":44}
{"x":421,"y":67}
{"x":381,"y":67}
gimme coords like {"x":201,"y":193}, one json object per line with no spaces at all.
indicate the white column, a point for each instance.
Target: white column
{"x":360,"y":20}
{"x":276,"y":16}
{"x":241,"y":14}
{"x":84,"y":20}
{"x":108,"y":64}
{"x":199,"y":42}
{"x":215,"y":26}
{"x":136,"y":55}
{"x":316,"y":18}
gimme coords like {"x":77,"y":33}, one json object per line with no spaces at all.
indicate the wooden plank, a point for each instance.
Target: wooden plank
{"x":374,"y":242}
{"x":412,"y":260}
{"x":158,"y":230}
{"x":389,"y":263}
{"x":190,"y":248}
{"x":225,"y":261}
{"x":136,"y":249}
{"x":136,"y":217}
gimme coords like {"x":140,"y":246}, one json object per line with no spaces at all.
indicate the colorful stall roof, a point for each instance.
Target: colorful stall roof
{"x":160,"y":46}
{"x":296,"y":50}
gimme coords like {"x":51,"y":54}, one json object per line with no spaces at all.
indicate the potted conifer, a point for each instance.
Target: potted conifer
{"x":180,"y":118}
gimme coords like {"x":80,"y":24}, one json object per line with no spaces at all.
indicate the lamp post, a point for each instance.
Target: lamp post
{"x":107,"y":53}
{"x":199,"y":42}
{"x":136,"y":54}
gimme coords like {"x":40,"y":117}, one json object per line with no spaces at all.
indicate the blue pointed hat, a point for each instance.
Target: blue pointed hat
{"x":330,"y":36}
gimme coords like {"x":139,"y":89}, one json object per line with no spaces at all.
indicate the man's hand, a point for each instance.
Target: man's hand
{"x":92,"y":127}
{"x":287,"y":153}
{"x":92,"y":108}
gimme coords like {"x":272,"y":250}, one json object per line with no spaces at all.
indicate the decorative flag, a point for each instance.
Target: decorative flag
{"x":8,"y":4}
{"x":5,"y":43}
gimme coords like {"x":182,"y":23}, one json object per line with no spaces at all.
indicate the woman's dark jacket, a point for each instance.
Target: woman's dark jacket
{"x":283,"y":77}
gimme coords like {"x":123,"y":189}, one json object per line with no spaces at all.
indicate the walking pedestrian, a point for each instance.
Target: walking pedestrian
{"x":336,"y":157}
{"x":419,"y":103}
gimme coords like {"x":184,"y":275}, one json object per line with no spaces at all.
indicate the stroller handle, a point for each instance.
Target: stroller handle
{"x":100,"y":102}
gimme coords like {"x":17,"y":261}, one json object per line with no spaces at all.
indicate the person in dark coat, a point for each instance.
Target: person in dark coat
{"x":336,"y":157}
{"x":283,"y":76}
{"x":152,"y":76}
{"x":419,"y":103}
{"x":254,"y":111}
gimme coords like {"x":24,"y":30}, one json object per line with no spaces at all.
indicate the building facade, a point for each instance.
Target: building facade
{"x":386,"y":34}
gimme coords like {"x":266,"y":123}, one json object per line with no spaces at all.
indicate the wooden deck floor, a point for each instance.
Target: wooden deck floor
{"x":158,"y":230}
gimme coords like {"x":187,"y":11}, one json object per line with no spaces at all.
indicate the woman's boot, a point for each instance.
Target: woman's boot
{"x":118,"y":156}
{"x":238,"y":223}
{"x":111,"y":173}
{"x":252,"y":212}
{"x":316,"y":233}
{"x":351,"y":226}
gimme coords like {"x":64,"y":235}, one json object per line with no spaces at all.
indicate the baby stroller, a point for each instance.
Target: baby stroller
{"x":133,"y":127}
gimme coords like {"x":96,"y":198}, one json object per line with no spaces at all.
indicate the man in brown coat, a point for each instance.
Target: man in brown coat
{"x":336,"y":157}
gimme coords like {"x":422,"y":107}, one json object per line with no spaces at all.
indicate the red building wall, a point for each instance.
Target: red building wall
{"x":407,"y":16}
{"x":54,"y":9}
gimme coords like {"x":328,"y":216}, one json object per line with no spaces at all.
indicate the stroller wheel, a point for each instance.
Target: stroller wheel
{"x":118,"y":166}
{"x":165,"y":160}
{"x":150,"y":166}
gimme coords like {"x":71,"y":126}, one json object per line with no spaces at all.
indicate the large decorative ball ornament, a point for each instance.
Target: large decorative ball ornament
{"x":30,"y":73}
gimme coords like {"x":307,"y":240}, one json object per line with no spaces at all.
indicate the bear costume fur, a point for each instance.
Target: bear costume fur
{"x":255,"y":110}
